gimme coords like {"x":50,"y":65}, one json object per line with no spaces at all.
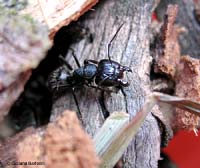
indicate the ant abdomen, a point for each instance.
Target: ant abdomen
{"x":58,"y":79}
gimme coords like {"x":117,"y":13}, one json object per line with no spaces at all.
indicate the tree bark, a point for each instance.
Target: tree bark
{"x":130,"y":48}
{"x":189,"y":40}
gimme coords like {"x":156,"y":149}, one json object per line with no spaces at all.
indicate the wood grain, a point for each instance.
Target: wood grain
{"x":57,"y":13}
{"x":130,"y":48}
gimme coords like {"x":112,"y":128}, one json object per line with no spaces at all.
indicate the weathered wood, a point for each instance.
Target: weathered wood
{"x":61,"y":144}
{"x":131,"y":48}
{"x":57,"y":13}
{"x":21,"y":50}
{"x":189,"y":40}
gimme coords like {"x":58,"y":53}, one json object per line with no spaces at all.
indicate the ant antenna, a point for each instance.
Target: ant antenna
{"x":109,"y":44}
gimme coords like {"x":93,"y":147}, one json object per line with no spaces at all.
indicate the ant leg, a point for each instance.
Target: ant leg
{"x":105,"y":111}
{"x":65,"y":62}
{"x":90,"y":61}
{"x":123,"y":82}
{"x":103,"y":79}
{"x":75,"y":58}
{"x":109,"y":44}
{"x":99,"y":88}
{"x":125,"y":97}
{"x":127,"y":69}
{"x":77,"y":105}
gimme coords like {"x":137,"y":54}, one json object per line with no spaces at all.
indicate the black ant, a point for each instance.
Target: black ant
{"x":100,"y":75}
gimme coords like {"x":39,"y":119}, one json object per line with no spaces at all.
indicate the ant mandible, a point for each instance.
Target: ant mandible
{"x":100,"y":75}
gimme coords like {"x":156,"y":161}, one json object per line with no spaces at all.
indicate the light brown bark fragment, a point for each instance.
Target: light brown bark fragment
{"x":57,"y":13}
{"x":62,"y":144}
{"x":168,"y":47}
{"x":188,"y":86}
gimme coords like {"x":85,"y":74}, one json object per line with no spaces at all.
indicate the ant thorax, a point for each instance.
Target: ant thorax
{"x":86,"y":72}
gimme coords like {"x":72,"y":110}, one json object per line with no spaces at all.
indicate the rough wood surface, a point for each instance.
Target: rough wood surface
{"x":57,"y":13}
{"x":130,"y":48}
{"x":21,"y":50}
{"x":61,"y":144}
{"x":188,"y":86}
{"x":185,"y":68}
{"x":189,"y":40}
{"x":168,"y":48}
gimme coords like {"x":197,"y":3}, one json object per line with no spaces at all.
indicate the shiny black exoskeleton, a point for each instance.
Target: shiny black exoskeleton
{"x":106,"y":73}
{"x":111,"y":73}
{"x":100,"y":75}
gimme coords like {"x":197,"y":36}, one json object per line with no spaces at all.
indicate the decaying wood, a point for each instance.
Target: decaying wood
{"x":56,"y":14}
{"x":189,"y":41}
{"x":188,"y":86}
{"x":130,"y":48}
{"x":61,"y":144}
{"x":168,"y":49}
{"x":184,"y":71}
{"x":21,"y":49}
{"x":77,"y":150}
{"x":167,"y":56}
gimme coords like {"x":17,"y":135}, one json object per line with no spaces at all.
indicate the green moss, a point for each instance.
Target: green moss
{"x":21,"y":22}
{"x":17,"y":25}
{"x":14,"y":4}
{"x":28,"y":18}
